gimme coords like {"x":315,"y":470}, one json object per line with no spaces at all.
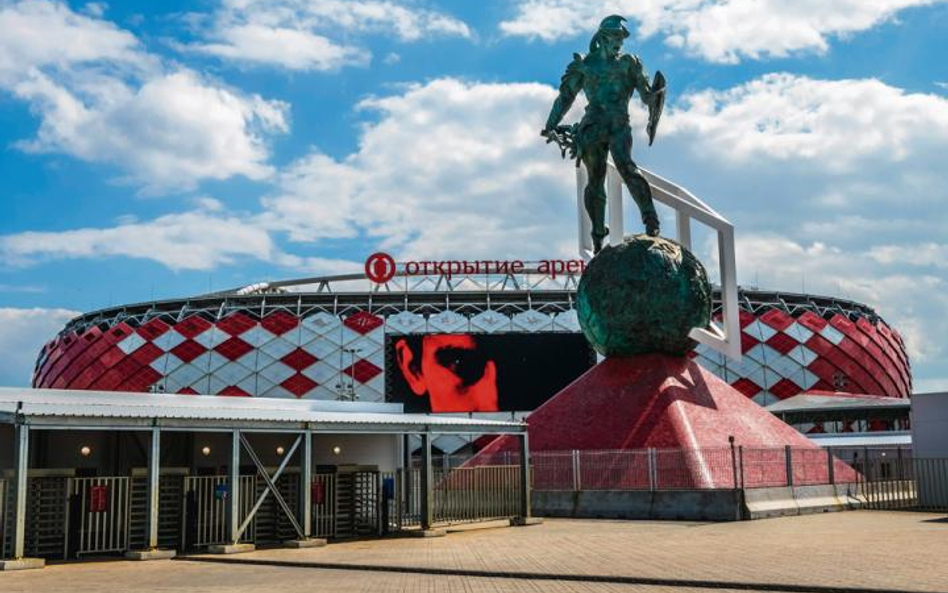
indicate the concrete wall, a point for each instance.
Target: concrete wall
{"x":930,"y":425}
{"x":760,"y":503}
{"x":684,"y":505}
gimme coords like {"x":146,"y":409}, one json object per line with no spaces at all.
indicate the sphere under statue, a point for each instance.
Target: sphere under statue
{"x":643,"y":296}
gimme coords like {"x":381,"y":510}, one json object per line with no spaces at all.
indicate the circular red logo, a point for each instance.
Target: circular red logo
{"x":380,"y":267}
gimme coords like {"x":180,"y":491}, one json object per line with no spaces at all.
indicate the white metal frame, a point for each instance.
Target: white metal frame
{"x":726,"y":338}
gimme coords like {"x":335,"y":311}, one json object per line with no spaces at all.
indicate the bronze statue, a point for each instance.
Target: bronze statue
{"x":609,"y":78}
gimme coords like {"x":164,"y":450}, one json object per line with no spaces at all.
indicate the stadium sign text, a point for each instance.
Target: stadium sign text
{"x":381,"y":267}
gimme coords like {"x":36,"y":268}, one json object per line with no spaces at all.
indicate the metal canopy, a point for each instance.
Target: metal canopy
{"x":51,"y":408}
{"x":811,"y":402}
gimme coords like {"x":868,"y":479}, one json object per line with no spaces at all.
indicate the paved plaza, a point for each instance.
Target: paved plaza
{"x":854,"y":551}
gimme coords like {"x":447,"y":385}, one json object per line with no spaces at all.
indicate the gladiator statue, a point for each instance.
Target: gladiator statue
{"x":608,"y":78}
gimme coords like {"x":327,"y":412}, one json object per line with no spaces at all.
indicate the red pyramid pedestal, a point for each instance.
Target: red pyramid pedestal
{"x":670,"y":404}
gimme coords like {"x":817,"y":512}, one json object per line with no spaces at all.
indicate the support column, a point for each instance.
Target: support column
{"x":232,"y":513}
{"x":306,"y":484}
{"x":21,"y":461}
{"x":427,"y":483}
{"x":151,"y":551}
{"x":154,"y":468}
{"x":406,"y":472}
{"x":233,"y":493}
{"x":525,"y":511}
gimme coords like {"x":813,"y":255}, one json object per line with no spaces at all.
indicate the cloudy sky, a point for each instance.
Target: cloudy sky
{"x":192,"y":146}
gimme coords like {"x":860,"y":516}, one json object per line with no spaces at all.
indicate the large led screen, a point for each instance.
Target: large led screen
{"x":481,"y":372}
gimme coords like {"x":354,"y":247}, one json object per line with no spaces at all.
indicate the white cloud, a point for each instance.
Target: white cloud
{"x":171,"y":132}
{"x":723,"y":31}
{"x":22,"y":334}
{"x":187,"y":241}
{"x":933,"y":255}
{"x":101,"y":97}
{"x":41,"y":34}
{"x":837,"y":123}
{"x":450,"y":168}
{"x":304,"y":35}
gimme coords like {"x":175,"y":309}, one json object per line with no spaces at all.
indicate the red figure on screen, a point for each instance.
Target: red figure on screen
{"x":452,"y":371}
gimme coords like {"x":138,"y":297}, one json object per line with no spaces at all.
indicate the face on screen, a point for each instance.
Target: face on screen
{"x":452,"y":370}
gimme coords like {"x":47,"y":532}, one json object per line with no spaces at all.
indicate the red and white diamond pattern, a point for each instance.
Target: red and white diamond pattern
{"x":282,"y":355}
{"x":784,"y":356}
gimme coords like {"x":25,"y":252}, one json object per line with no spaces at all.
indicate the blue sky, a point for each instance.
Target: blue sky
{"x":155,"y":150}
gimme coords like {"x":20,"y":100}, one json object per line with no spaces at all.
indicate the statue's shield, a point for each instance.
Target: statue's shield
{"x":655,"y":105}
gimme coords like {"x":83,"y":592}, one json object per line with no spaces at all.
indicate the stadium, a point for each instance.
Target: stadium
{"x":347,"y":338}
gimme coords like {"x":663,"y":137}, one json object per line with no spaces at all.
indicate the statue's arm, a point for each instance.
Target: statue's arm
{"x":570,"y":85}
{"x":641,"y":80}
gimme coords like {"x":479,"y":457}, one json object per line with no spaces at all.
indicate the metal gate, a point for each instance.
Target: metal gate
{"x":324,"y":505}
{"x":206,"y":509}
{"x":4,"y":513}
{"x":270,"y":523}
{"x":171,"y":499}
{"x":905,"y":483}
{"x":46,"y":516}
{"x":357,"y":503}
{"x":101,"y":523}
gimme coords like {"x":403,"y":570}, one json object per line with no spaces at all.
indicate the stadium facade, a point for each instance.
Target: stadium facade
{"x":332,"y":338}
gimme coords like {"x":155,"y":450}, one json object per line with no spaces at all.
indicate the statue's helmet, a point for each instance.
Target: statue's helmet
{"x":613,"y":24}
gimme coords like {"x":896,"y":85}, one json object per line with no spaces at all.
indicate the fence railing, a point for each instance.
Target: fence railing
{"x":207,"y":507}
{"x":3,"y":518}
{"x":881,"y":477}
{"x":476,"y":493}
{"x":694,"y":469}
{"x":461,"y":494}
{"x":103,"y":507}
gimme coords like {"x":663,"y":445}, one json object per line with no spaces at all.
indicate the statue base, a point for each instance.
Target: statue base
{"x":659,"y":401}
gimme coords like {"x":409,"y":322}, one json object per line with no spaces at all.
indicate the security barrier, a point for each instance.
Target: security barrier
{"x":102,"y":506}
{"x":476,"y":494}
{"x":4,"y":513}
{"x":323,"y":495}
{"x":206,"y":511}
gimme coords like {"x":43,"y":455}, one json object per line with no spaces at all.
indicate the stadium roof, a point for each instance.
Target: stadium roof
{"x":862,"y":439}
{"x":824,"y":401}
{"x":52,"y":408}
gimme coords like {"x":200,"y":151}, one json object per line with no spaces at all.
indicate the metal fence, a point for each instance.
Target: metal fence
{"x":882,"y":478}
{"x":688,"y":469}
{"x":476,"y":494}
{"x":206,"y":510}
{"x":324,"y":505}
{"x":460,"y":493}
{"x":3,"y":518}
{"x":102,"y":507}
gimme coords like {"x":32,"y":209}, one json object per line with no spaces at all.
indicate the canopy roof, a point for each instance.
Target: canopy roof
{"x":54,"y":408}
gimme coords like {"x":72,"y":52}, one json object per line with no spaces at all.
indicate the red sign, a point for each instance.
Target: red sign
{"x":318,"y":491}
{"x":98,"y":499}
{"x":380,"y":267}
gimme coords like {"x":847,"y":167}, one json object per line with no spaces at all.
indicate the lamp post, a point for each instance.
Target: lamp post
{"x":345,"y":390}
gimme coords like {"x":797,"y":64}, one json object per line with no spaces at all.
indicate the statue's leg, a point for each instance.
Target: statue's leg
{"x":621,"y":147}
{"x":594,"y":196}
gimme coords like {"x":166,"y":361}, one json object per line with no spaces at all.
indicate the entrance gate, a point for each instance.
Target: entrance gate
{"x":102,"y":504}
{"x":206,"y":509}
{"x":171,"y":502}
